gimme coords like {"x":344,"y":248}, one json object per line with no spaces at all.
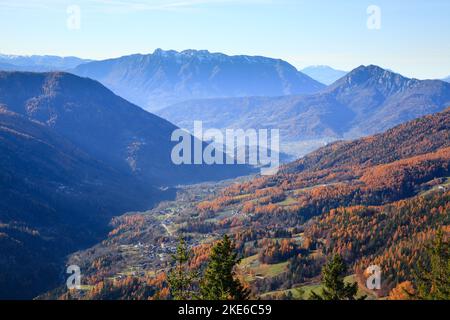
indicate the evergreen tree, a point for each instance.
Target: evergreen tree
{"x":180,"y":278}
{"x":334,"y":286}
{"x":433,"y":274}
{"x":219,"y":281}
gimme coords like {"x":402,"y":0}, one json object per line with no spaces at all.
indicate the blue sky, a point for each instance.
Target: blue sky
{"x":414,"y":38}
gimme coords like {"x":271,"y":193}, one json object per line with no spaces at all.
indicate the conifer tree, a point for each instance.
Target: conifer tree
{"x":219,"y":281}
{"x":433,"y":274}
{"x":180,"y":278}
{"x":334,"y":286}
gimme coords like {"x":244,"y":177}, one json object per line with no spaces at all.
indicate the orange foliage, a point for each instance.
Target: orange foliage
{"x":402,"y":291}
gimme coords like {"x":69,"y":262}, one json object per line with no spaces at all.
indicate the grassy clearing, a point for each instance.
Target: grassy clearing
{"x":298,"y":293}
{"x":253,"y":269}
{"x":248,"y":261}
{"x":305,"y":291}
{"x":445,"y":184}
{"x":288,"y":202}
{"x":242,"y":197}
{"x":86,"y":287}
{"x":221,"y":215}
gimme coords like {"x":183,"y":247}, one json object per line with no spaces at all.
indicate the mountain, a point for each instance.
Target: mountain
{"x":55,"y":200}
{"x":167,"y":77}
{"x":324,"y":74}
{"x":72,"y":156}
{"x":446,"y":79}
{"x":8,"y":67}
{"x":109,"y":128}
{"x":367,"y":100}
{"x":37,"y":63}
{"x":381,"y":99}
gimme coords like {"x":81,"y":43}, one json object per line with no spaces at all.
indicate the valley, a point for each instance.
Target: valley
{"x":227,"y":158}
{"x":286,"y":225}
{"x":73,"y":156}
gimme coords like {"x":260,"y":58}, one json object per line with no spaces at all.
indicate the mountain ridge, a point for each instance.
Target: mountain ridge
{"x":39,"y":63}
{"x":413,"y":138}
{"x":366,"y":101}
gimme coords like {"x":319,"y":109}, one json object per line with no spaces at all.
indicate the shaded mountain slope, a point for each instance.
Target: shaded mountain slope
{"x":55,"y":199}
{"x":104,"y":125}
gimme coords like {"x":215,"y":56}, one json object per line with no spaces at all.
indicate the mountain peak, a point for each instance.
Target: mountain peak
{"x":162,"y":52}
{"x":373,"y":77}
{"x":318,"y":67}
{"x":324,"y":74}
{"x":195,"y":52}
{"x":206,"y":55}
{"x":370,"y":70}
{"x":189,"y":53}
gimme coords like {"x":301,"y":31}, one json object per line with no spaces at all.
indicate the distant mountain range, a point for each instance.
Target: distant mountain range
{"x":163,"y":78}
{"x":446,"y":79}
{"x":8,"y":67}
{"x":38,"y":63}
{"x":324,"y":74}
{"x":367,"y":100}
{"x":72,"y":155}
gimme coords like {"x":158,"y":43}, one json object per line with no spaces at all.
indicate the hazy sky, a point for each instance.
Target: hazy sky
{"x":414,"y":38}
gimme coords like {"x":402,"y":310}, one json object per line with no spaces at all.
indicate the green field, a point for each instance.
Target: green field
{"x":445,"y":184}
{"x":289,"y":201}
{"x":304,"y":292}
{"x":253,"y":269}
